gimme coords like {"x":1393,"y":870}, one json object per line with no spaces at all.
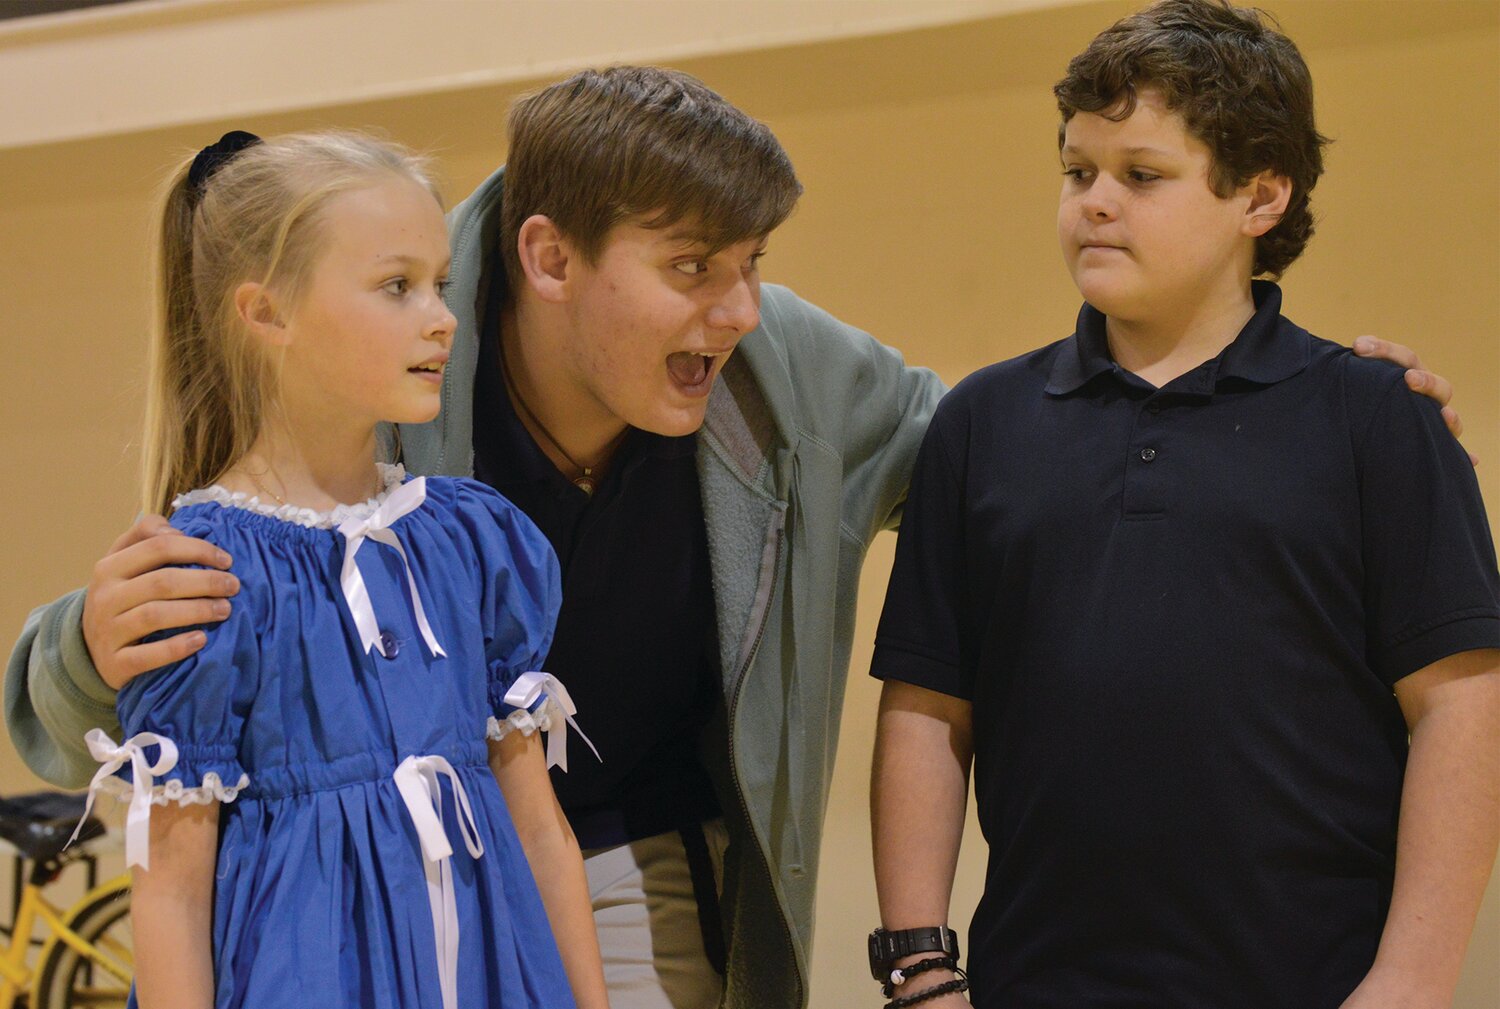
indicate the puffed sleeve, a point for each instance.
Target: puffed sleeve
{"x":182,"y":725}
{"x":520,"y":593}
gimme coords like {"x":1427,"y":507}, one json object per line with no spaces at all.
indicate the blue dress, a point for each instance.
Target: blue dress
{"x":329,"y":893}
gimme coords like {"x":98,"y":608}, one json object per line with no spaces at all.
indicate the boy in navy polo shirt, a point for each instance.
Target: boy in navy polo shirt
{"x":1180,"y":586}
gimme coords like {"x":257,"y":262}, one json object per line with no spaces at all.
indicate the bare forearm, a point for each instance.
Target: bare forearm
{"x":171,"y":911}
{"x":552,"y":851}
{"x":173,"y":960}
{"x":558,"y":865}
{"x":1450,"y":826}
{"x":918,"y":793}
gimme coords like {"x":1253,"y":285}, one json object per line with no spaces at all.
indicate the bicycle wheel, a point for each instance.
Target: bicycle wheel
{"x":69,"y":980}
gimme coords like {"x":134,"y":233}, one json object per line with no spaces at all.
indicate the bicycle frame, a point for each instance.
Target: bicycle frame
{"x":15,"y":976}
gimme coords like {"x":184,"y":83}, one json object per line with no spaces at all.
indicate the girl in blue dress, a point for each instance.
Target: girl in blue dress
{"x":340,"y":801}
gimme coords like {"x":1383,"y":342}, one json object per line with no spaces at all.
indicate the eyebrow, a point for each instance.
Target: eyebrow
{"x":685,"y":238}
{"x":405,"y":260}
{"x":688,"y":240}
{"x":1132,"y":151}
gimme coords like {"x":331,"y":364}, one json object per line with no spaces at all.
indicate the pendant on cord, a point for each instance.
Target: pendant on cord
{"x":586,"y":482}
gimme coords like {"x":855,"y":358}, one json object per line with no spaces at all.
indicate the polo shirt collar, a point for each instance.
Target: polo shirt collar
{"x":1269,"y":349}
{"x":1084,"y":355}
{"x":1266,"y":351}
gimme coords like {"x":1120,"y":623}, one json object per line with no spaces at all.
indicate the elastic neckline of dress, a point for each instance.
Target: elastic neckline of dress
{"x":391,"y":477}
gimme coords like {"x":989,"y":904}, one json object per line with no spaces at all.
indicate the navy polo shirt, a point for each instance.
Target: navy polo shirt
{"x":1179,"y":614}
{"x":636,"y":642}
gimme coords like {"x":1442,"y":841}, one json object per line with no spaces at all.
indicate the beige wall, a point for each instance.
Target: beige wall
{"x":929,"y":162}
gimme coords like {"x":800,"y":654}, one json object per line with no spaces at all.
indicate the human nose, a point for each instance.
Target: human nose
{"x":441,"y":322}
{"x":738,"y":308}
{"x":1102,"y":201}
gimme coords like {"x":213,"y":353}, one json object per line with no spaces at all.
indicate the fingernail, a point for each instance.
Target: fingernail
{"x":1416,"y":379}
{"x":221,"y":607}
{"x":229,"y":585}
{"x":1363,"y":345}
{"x":199,"y":639}
{"x":224,"y":559}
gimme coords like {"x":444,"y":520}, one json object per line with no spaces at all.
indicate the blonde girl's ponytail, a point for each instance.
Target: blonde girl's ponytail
{"x":177,"y":329}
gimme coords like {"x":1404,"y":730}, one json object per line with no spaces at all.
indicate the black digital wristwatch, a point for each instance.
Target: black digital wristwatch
{"x":888,"y":947}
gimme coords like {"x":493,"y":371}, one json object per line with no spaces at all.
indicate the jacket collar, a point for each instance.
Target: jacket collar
{"x":444,"y":445}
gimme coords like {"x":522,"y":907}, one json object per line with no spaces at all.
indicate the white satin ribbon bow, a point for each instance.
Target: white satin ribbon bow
{"x":417,"y":780}
{"x":404,"y":499}
{"x":531,"y":687}
{"x":138,"y":819}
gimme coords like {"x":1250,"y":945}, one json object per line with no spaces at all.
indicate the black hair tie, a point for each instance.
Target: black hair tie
{"x":214,"y":156}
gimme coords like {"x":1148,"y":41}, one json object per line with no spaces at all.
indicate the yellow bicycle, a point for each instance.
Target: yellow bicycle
{"x":86,"y":958}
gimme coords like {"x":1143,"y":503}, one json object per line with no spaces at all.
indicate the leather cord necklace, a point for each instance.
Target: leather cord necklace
{"x":585,"y":481}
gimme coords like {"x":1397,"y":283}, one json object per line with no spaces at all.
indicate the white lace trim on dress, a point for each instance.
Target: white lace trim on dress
{"x":391,"y":477}
{"x":143,"y":792}
{"x":521,"y":720}
{"x":213,"y":789}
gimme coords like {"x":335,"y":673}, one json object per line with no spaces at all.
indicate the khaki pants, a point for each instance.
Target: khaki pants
{"x":647,"y":914}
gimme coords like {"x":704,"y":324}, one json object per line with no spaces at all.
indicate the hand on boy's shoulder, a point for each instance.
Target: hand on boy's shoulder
{"x":1418,"y":379}
{"x":142,"y":587}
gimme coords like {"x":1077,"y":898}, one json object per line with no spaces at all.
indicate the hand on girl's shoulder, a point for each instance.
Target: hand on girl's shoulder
{"x":156,"y":576}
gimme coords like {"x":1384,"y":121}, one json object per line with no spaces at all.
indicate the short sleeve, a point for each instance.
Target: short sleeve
{"x":181,"y":726}
{"x":200,"y":704}
{"x":920,"y":638}
{"x":520,"y":592}
{"x":1431,"y":585}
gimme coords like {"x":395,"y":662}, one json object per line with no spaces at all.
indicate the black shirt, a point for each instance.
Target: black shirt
{"x":636,"y":644}
{"x":1179,"y":614}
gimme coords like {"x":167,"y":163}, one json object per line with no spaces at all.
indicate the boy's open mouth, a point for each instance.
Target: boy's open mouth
{"x":690,"y":370}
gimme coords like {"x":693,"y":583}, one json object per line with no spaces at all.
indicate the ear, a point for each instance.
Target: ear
{"x":546,"y":256}
{"x":1269,"y":193}
{"x":258,"y":309}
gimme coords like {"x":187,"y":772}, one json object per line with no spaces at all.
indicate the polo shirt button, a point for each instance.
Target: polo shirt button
{"x":390,"y":647}
{"x":1153,"y":407}
{"x":1147,"y":454}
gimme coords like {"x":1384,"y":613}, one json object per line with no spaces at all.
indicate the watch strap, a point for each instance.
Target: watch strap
{"x":886,"y":947}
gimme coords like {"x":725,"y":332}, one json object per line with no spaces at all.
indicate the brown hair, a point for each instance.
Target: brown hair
{"x":256,"y":218}
{"x":1240,"y":85}
{"x":605,"y":145}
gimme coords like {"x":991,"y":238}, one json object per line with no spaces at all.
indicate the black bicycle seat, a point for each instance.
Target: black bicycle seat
{"x":40,"y":824}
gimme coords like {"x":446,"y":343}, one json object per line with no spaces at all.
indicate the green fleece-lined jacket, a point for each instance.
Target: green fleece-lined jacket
{"x":805,"y":455}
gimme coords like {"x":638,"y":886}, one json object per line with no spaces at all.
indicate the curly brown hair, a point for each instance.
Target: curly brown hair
{"x":1239,"y":84}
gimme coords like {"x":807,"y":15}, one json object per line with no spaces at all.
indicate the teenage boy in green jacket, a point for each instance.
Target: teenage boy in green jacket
{"x":711,"y":512}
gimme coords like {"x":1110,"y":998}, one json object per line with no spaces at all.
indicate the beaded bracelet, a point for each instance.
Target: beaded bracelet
{"x":903,"y":974}
{"x":957,"y":984}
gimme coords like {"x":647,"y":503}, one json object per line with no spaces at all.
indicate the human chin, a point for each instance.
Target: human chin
{"x":1106,"y":290}
{"x":415,"y":409}
{"x":670,"y":415}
